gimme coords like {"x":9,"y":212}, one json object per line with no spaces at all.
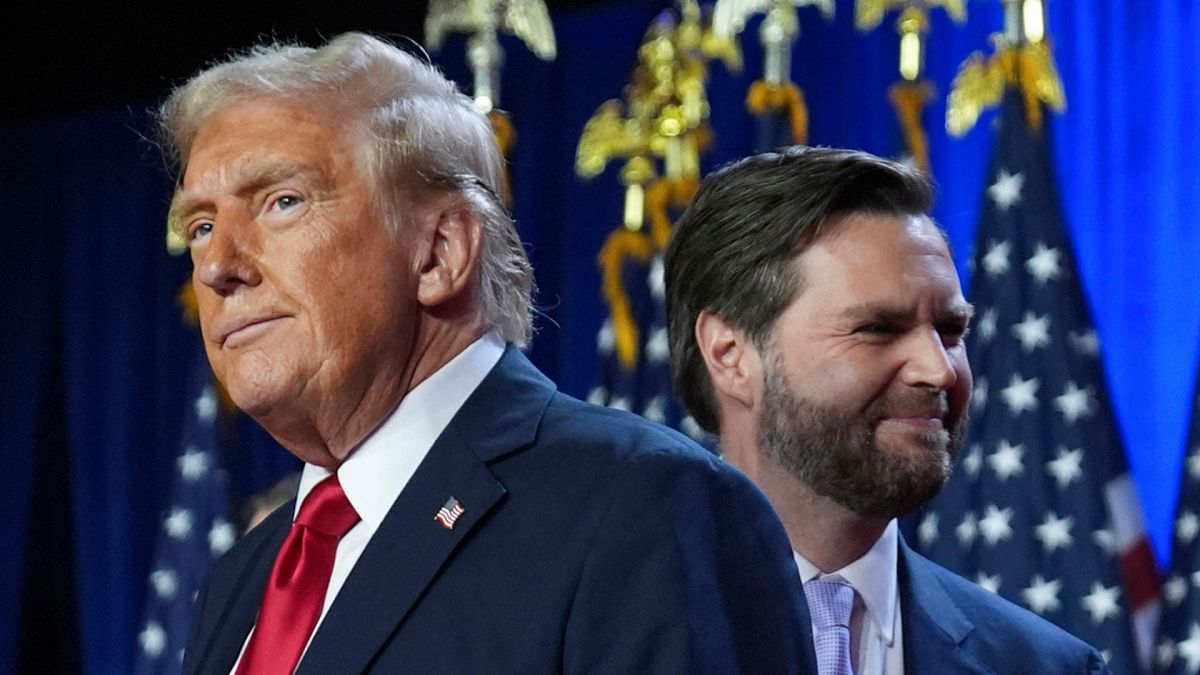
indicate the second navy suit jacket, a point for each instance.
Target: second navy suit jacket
{"x":954,"y":626}
{"x":592,"y":542}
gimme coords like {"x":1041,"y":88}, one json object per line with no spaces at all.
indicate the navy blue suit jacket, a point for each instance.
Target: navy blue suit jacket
{"x":953,"y":626}
{"x":592,"y":541}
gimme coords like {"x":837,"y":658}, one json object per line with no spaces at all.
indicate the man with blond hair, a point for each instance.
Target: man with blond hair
{"x":363,"y":295}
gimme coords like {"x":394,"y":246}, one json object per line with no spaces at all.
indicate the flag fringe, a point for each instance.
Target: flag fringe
{"x":621,"y":245}
{"x":765,"y":98}
{"x":909,"y":100}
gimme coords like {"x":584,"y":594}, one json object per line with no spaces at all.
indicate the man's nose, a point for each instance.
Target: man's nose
{"x":928,"y":364}
{"x":227,"y":259}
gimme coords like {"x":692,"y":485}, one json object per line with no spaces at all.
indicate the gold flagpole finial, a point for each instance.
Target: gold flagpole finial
{"x":665,"y":108}
{"x":1024,"y":22}
{"x":1023,"y":60}
{"x":912,"y":26}
{"x":868,"y":14}
{"x":483,"y":20}
{"x":658,"y":128}
{"x":778,"y":32}
{"x":912,"y":93}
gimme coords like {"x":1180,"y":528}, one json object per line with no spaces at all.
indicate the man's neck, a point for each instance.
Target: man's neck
{"x":333,"y":432}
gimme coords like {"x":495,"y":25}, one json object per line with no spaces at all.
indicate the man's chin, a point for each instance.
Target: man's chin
{"x":909,"y":472}
{"x":259,"y":384}
{"x":899,"y":496}
{"x":256,"y":400}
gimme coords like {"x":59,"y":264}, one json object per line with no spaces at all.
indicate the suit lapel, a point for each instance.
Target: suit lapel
{"x":935,"y":629}
{"x":410,"y":548}
{"x":238,"y":608}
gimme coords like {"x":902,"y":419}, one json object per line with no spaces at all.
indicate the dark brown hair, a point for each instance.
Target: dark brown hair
{"x":732,"y":250}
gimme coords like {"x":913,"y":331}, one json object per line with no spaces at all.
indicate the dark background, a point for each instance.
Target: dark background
{"x":68,"y":57}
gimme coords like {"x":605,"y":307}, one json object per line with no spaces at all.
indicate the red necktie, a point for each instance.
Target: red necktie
{"x":299,"y":579}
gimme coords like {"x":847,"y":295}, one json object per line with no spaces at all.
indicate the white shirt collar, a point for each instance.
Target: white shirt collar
{"x":873,"y":576}
{"x":374,"y":474}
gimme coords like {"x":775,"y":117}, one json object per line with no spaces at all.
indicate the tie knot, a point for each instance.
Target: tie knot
{"x":830,"y":602}
{"x":326,"y":509}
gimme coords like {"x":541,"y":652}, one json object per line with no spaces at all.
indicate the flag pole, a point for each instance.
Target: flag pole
{"x":657,"y":130}
{"x":912,"y":93}
{"x":483,"y":21}
{"x":1042,"y":508}
{"x":775,"y":100}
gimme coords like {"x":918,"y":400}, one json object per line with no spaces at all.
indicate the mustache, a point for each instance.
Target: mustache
{"x":902,"y":403}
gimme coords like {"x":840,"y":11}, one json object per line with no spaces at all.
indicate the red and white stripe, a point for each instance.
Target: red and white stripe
{"x":1138,"y":569}
{"x":449,"y":513}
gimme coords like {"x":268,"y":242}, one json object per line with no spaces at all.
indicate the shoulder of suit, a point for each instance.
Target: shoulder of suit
{"x":578,"y":431}
{"x":618,"y":427}
{"x":1005,"y":622}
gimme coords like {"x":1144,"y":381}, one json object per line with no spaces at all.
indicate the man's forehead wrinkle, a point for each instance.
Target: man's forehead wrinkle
{"x":250,"y":168}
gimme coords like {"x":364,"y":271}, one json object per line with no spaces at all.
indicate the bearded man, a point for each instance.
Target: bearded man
{"x":816,"y":324}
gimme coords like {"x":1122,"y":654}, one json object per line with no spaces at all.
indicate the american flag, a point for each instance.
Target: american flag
{"x":1042,"y":509}
{"x":449,"y":513}
{"x":1178,"y":648}
{"x":195,"y":530}
{"x":644,"y":387}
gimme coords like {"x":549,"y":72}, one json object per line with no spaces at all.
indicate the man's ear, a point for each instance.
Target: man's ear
{"x":734,"y":365}
{"x":453,"y":255}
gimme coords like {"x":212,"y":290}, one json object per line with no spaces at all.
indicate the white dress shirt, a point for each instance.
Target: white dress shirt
{"x":374,"y":475}
{"x":876,"y":640}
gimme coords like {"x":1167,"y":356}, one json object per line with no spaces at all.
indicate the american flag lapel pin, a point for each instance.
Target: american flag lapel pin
{"x":449,"y":513}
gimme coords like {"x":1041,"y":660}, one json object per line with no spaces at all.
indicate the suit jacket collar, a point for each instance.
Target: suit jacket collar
{"x":935,"y":628}
{"x":409,"y":548}
{"x":504,"y":413}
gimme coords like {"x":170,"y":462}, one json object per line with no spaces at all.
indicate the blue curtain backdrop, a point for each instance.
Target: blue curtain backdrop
{"x":93,"y":355}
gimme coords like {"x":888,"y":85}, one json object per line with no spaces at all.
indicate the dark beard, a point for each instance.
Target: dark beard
{"x":837,"y":454}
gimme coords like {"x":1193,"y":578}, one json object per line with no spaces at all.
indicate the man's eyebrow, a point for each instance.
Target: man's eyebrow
{"x":960,"y":310}
{"x":181,"y":205}
{"x":875,"y":311}
{"x":247,"y":179}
